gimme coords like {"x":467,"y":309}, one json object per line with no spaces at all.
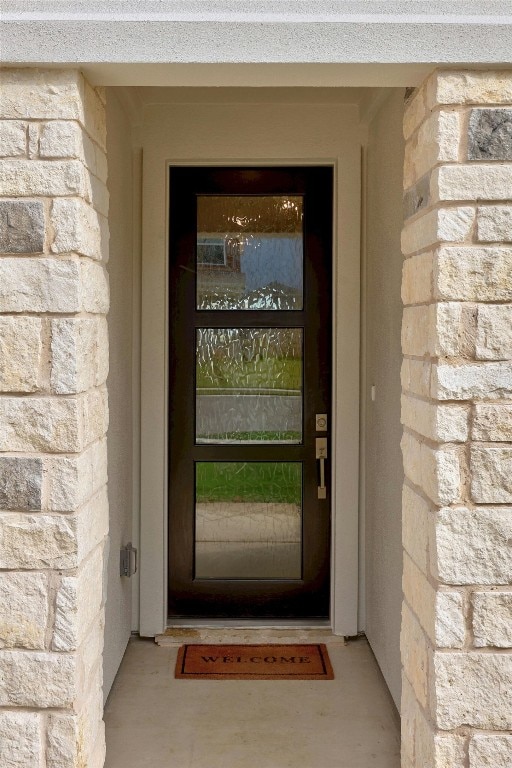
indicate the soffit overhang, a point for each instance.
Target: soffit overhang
{"x":155,"y":42}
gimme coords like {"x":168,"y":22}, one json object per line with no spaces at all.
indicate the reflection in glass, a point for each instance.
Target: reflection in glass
{"x":248,"y":520}
{"x":249,"y":252}
{"x":249,"y":385}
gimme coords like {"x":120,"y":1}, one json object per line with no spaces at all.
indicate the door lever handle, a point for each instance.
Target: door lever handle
{"x":321,"y":455}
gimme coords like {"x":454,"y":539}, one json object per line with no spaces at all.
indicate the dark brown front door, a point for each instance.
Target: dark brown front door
{"x":249,"y":386}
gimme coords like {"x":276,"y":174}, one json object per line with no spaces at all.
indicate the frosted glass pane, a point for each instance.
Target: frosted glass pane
{"x":248,"y":520}
{"x":249,"y":385}
{"x":249,"y":252}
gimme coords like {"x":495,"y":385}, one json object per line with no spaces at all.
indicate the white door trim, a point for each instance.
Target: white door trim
{"x":345,"y":426}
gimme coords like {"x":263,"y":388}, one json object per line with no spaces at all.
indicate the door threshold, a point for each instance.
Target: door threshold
{"x":248,"y":623}
{"x":250,"y":632}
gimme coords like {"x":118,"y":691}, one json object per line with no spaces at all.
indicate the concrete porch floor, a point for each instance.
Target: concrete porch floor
{"x":156,"y":721}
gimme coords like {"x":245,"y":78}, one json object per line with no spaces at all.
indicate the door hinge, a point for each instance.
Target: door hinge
{"x":128,"y":560}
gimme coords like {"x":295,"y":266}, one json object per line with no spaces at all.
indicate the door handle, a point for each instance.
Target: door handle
{"x":321,"y":455}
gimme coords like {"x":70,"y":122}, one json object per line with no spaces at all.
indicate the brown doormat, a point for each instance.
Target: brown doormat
{"x":253,"y":662}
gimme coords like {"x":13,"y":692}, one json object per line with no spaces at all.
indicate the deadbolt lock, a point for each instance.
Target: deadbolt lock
{"x":321,"y":422}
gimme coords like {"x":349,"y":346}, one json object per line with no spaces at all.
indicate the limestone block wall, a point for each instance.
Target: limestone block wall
{"x":457,"y":416}
{"x":53,"y":418}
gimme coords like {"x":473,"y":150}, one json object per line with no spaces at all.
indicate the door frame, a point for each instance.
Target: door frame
{"x":345,"y":393}
{"x":304,"y":596}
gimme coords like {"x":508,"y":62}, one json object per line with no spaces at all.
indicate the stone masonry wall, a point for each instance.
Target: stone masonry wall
{"x":53,"y":418}
{"x":457,"y":417}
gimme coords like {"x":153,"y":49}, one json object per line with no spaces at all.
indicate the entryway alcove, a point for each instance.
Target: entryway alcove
{"x":355,"y":135}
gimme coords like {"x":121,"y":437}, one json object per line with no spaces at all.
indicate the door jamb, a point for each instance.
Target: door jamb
{"x":344,"y":429}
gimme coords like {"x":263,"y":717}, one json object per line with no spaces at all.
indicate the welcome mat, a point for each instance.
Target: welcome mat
{"x":253,"y":662}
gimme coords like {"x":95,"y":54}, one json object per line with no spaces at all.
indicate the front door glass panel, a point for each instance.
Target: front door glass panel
{"x":248,"y":520}
{"x":249,"y":369}
{"x":249,"y":252}
{"x":249,"y":385}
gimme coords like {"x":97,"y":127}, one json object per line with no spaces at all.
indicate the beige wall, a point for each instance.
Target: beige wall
{"x":239,"y":126}
{"x":121,"y":327}
{"x":383,"y":459}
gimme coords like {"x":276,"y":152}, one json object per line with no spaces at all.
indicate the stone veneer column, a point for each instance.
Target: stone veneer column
{"x":53,"y":418}
{"x":457,"y":417}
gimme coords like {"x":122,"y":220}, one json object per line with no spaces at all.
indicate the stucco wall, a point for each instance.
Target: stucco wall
{"x":383,"y":459}
{"x":169,"y":42}
{"x":120,"y":323}
{"x":236,"y":127}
